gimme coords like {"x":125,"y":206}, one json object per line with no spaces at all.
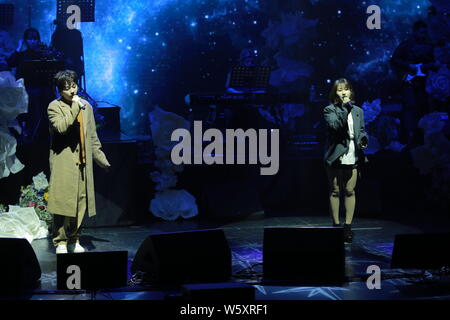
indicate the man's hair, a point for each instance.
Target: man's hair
{"x":419,"y":25}
{"x":63,"y":79}
{"x":334,"y":98}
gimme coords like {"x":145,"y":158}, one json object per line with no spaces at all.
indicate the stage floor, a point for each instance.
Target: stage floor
{"x":373,"y":243}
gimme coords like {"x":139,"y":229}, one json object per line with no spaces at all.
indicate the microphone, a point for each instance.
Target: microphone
{"x":82,"y":105}
{"x":348,"y":105}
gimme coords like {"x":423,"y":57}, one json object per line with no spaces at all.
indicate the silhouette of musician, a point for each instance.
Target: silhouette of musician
{"x":412,"y":60}
{"x":69,"y":42}
{"x":30,"y":49}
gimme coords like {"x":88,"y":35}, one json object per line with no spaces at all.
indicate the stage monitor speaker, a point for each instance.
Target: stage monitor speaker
{"x":421,"y":251}
{"x":92,"y":270}
{"x":305,"y":255}
{"x":184,"y":257}
{"x":19,"y":267}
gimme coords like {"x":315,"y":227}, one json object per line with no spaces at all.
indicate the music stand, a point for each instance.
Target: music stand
{"x":40,"y":73}
{"x":250,"y":78}
{"x":87,"y":8}
{"x":6,"y":14}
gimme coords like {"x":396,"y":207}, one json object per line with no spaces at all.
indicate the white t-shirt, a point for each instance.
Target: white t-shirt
{"x":350,"y":156}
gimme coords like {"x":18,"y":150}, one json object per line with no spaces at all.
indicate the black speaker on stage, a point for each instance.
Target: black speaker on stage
{"x":304,"y":255}
{"x":92,"y":270}
{"x":421,"y":251}
{"x":19,"y":267}
{"x":184,"y":257}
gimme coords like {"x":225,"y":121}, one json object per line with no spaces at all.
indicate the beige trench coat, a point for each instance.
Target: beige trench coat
{"x":65,"y":157}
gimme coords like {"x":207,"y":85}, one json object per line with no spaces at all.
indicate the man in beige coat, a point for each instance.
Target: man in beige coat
{"x":74,"y":145}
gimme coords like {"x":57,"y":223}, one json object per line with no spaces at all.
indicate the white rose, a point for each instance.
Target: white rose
{"x":40,"y":181}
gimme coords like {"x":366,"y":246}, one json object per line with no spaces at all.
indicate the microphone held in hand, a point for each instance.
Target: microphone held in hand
{"x":82,"y":105}
{"x":80,"y":102}
{"x":364,"y":142}
{"x":348,"y":105}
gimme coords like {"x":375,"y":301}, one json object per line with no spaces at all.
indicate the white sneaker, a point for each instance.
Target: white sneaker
{"x":76,"y":248}
{"x":61,"y":248}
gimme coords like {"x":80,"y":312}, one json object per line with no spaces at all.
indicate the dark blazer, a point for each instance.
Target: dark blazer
{"x":338,"y":138}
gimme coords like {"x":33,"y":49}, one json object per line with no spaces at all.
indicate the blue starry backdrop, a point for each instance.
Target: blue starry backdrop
{"x":139,"y":54}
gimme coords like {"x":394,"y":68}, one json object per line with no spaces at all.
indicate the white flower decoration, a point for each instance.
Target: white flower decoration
{"x":171,"y":204}
{"x":162,"y":124}
{"x":40,"y":181}
{"x":13,"y":101}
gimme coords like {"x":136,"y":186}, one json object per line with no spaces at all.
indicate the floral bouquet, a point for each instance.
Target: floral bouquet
{"x":36,"y":195}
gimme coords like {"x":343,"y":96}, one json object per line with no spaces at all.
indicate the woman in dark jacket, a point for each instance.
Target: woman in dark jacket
{"x":346,"y":138}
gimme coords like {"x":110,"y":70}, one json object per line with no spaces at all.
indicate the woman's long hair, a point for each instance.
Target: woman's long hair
{"x":334,"y":98}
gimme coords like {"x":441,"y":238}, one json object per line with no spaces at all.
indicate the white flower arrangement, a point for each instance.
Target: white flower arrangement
{"x":8,"y":160}
{"x":162,"y":124}
{"x":13,"y":101}
{"x":163,"y":180}
{"x":172,"y":204}
{"x":168,"y":204}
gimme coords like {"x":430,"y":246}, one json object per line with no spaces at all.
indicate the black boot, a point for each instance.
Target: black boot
{"x":336,"y":224}
{"x":348,"y":233}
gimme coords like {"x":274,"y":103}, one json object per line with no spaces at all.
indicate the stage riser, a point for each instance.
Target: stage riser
{"x":116,"y":190}
{"x":389,"y":187}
